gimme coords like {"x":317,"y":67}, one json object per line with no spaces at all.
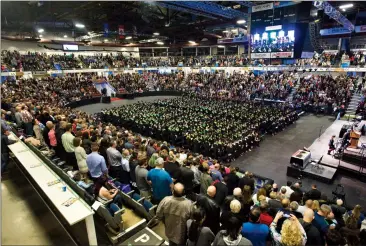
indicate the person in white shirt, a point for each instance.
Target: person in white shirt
{"x":125,"y":162}
{"x":289,"y":191}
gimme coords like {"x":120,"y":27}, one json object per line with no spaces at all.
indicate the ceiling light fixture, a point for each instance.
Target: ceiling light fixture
{"x":346,"y":6}
{"x":41,"y":36}
{"x":78,"y":25}
{"x":159,"y":43}
{"x":225,"y":31}
{"x":240,"y":21}
{"x":221,"y":46}
{"x":105,"y":40}
{"x":344,"y":10}
{"x":191,"y":42}
{"x":65,"y":36}
{"x":40,"y":30}
{"x":128,"y":37}
{"x":156,"y":34}
{"x":234,"y":30}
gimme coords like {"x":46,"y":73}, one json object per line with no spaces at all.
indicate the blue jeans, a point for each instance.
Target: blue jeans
{"x":4,"y":161}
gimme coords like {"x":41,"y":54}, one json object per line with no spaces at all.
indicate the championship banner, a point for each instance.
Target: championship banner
{"x":282,"y":55}
{"x":121,"y":31}
{"x":260,"y":55}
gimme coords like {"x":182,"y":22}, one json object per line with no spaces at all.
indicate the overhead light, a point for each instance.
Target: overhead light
{"x":234,"y":30}
{"x":344,"y":10}
{"x":191,"y":42}
{"x":156,"y":33}
{"x":65,"y":36}
{"x":221,"y":46}
{"x":346,"y":6}
{"x":160,"y":43}
{"x":167,"y":24}
{"x":225,"y":31}
{"x":105,"y":40}
{"x":40,"y":30}
{"x":128,"y":37}
{"x":240,"y":21}
{"x":78,"y":25}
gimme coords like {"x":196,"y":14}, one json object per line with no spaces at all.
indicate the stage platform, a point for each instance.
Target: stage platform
{"x":329,"y":165}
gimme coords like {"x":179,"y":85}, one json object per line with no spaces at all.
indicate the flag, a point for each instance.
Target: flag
{"x":121,"y":31}
{"x":106,"y":29}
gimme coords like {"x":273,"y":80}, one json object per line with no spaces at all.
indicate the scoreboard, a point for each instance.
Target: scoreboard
{"x":274,"y":16}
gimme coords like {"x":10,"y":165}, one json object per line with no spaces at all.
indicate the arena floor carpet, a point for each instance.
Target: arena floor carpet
{"x":273,"y":155}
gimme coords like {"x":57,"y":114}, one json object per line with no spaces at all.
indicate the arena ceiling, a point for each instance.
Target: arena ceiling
{"x":175,"y":22}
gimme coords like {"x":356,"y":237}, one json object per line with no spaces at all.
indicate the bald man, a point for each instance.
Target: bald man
{"x":212,"y":209}
{"x":174,"y":211}
{"x":312,"y":233}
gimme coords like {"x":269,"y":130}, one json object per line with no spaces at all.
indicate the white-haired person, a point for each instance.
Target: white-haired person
{"x":292,"y":233}
{"x":235,"y":210}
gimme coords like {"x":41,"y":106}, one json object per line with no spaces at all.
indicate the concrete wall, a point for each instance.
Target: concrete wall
{"x":25,"y":46}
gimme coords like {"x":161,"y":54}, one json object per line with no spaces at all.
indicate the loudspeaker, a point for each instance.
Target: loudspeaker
{"x":314,"y":29}
{"x":293,"y":172}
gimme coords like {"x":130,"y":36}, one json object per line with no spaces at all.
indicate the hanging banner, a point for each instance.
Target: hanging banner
{"x":360,"y":28}
{"x":262,"y":7}
{"x":282,"y":55}
{"x":334,"y":31}
{"x":106,"y":30}
{"x":260,"y":55}
{"x":121,"y":31}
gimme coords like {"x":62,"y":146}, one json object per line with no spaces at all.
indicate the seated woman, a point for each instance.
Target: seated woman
{"x":107,"y":192}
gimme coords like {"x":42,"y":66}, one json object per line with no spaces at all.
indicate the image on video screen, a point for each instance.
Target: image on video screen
{"x":273,"y":41}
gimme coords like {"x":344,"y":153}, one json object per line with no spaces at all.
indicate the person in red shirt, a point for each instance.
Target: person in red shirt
{"x":265,"y":218}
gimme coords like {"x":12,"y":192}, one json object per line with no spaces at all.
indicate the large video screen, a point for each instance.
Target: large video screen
{"x":275,"y":41}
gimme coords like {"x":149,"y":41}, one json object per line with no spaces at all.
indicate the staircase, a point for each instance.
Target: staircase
{"x":355,"y":100}
{"x":110,"y":89}
{"x":293,"y":91}
{"x":352,"y":107}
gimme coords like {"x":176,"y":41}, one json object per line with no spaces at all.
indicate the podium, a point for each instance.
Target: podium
{"x":355,"y":136}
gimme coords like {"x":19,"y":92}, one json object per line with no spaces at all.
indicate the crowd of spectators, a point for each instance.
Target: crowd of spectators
{"x":49,"y":90}
{"x":325,"y":91}
{"x":35,"y":61}
{"x":147,"y":82}
{"x":243,"y":86}
{"x":230,"y":208}
{"x":200,"y":200}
